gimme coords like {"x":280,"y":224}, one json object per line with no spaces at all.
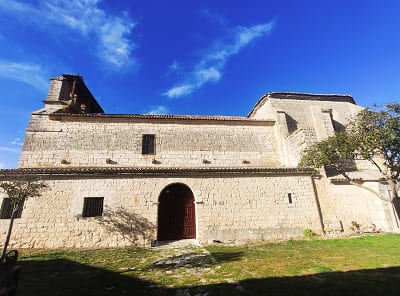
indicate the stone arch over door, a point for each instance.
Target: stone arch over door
{"x":176,"y":213}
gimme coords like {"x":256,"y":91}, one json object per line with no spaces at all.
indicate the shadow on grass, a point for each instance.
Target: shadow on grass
{"x":191,"y":260}
{"x":64,"y":277}
{"x":221,"y":257}
{"x":381,"y":281}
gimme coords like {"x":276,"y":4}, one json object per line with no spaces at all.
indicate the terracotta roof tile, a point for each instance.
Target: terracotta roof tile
{"x":150,"y":171}
{"x":159,"y":117}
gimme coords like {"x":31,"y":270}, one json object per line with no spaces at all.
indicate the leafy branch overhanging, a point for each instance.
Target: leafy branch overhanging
{"x":372,"y":135}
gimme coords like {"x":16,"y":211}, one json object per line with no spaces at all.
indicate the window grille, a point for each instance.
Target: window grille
{"x":93,"y":207}
{"x":148,"y":144}
{"x":6,"y":209}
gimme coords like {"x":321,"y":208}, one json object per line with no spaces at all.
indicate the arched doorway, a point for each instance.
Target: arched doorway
{"x":176,"y":213}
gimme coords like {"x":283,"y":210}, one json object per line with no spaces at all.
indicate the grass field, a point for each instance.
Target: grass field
{"x":367,"y":265}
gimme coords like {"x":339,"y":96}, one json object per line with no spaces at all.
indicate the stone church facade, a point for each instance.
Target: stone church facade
{"x":123,"y":179}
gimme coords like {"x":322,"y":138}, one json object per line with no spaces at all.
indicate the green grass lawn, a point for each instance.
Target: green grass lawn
{"x":368,"y":265}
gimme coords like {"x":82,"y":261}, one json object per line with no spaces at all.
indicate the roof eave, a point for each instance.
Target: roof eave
{"x":8,"y":174}
{"x":301,"y":96}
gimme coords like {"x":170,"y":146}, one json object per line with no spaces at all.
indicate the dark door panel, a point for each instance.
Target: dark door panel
{"x":176,"y":213}
{"x":189,"y":223}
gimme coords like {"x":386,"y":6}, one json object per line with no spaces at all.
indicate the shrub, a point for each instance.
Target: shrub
{"x":309,"y":233}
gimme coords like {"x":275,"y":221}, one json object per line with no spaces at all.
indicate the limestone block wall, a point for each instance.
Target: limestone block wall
{"x":240,"y":208}
{"x":341,"y":204}
{"x":297,"y":142}
{"x":315,"y":119}
{"x":57,"y":89}
{"x":258,"y":208}
{"x":299,"y":111}
{"x":90,"y":142}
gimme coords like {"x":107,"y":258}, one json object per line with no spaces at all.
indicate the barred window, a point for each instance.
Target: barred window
{"x":92,"y":206}
{"x":148,"y":144}
{"x":6,"y":209}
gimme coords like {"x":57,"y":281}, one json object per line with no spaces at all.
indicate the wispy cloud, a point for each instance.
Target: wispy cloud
{"x":159,"y":109}
{"x":214,"y":18}
{"x":17,"y":141}
{"x":12,"y":150}
{"x":2,"y":165}
{"x":175,"y":66}
{"x":31,"y":74}
{"x":110,"y":32}
{"x":210,"y":67}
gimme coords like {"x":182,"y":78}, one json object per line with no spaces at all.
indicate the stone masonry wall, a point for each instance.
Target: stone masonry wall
{"x":90,"y":142}
{"x":341,"y":204}
{"x":306,"y":122}
{"x":299,"y":111}
{"x":227,"y":208}
{"x":314,"y":119}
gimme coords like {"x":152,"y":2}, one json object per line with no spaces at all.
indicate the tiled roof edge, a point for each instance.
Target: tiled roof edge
{"x":302,"y":96}
{"x":160,"y":116}
{"x":345,"y":97}
{"x":148,"y":171}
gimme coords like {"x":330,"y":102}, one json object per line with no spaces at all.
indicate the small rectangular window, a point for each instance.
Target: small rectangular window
{"x":6,"y":209}
{"x":93,"y":207}
{"x":148,"y":144}
{"x":289,"y":195}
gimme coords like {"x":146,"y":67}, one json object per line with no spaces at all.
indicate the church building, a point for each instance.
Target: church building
{"x":134,"y":179}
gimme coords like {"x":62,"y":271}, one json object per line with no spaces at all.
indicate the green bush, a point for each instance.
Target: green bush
{"x":309,"y":233}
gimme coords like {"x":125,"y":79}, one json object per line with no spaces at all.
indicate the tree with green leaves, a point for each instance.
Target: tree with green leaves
{"x":372,"y":135}
{"x":18,"y":191}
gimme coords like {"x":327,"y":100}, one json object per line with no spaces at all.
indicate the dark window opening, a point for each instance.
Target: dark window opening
{"x":148,"y":144}
{"x":290,"y":198}
{"x":7,"y":208}
{"x":92,"y":206}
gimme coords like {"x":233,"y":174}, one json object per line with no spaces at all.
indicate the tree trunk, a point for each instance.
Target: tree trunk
{"x":3,"y":253}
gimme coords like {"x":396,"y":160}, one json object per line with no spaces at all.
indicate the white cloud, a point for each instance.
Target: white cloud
{"x":211,"y":65}
{"x":17,"y":141}
{"x":31,"y":74}
{"x":12,"y":150}
{"x":158,"y":110}
{"x":109,"y":31}
{"x":180,"y":91}
{"x":2,"y":165}
{"x":210,"y":74}
{"x":115,"y":48}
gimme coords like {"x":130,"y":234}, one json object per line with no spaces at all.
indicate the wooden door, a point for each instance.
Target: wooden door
{"x":189,"y":220}
{"x":176,"y":213}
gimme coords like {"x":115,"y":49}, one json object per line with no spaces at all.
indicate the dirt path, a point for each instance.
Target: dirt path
{"x":189,"y":258}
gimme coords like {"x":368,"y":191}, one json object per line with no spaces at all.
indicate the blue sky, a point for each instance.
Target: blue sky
{"x":193,"y":57}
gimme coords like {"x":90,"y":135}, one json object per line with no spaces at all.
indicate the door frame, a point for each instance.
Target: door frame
{"x":160,"y":195}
